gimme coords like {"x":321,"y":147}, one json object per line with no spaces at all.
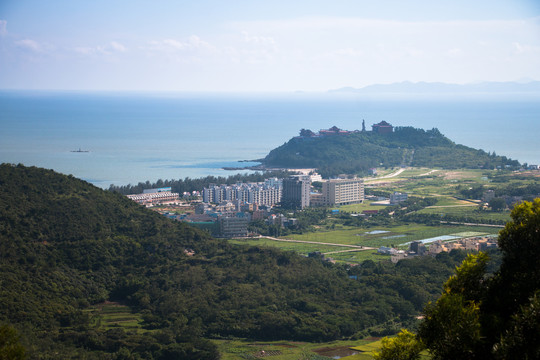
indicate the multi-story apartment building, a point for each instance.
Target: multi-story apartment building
{"x":262,"y":196}
{"x":343,"y":191}
{"x":233,"y":226}
{"x":268,"y":193}
{"x":296,"y":192}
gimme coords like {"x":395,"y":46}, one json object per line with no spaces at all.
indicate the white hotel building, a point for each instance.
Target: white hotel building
{"x":343,"y":191}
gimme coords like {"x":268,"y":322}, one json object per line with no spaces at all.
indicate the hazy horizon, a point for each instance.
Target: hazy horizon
{"x":312,"y":46}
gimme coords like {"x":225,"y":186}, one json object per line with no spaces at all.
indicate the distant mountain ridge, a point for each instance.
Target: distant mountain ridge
{"x":445,"y":88}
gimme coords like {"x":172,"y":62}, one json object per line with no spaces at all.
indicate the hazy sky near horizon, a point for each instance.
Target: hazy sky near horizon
{"x":255,"y":45}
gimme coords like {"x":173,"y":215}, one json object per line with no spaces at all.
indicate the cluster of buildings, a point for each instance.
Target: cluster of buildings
{"x":471,"y":244}
{"x":381,"y":128}
{"x":294,"y":192}
{"x":232,"y":207}
{"x":155,"y":196}
{"x":227,"y":209}
{"x":268,"y":193}
{"x":418,"y":248}
{"x":510,"y":200}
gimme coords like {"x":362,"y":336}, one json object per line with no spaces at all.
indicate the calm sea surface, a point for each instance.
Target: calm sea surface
{"x":134,"y":137}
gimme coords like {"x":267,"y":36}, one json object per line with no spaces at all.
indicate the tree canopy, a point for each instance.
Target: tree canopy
{"x":67,"y":246}
{"x":356,"y":152}
{"x":479,"y":316}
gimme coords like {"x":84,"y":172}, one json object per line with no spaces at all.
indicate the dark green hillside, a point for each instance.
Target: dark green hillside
{"x":359,"y":151}
{"x":66,"y":247}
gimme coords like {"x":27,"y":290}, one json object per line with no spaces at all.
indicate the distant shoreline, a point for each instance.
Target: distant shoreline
{"x":254,"y":168}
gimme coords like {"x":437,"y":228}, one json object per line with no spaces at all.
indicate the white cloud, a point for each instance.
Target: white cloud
{"x":523,"y":49}
{"x":266,"y":40}
{"x":193,"y":43}
{"x":196,"y":42}
{"x":367,"y":51}
{"x":166,"y":45}
{"x":455,"y":52}
{"x":118,"y":47}
{"x":84,"y":50}
{"x":29,"y":44}
{"x":3,"y":27}
{"x":110,"y":49}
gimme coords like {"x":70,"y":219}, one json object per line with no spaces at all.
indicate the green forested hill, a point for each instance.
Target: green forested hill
{"x":357,"y":152}
{"x":66,"y":245}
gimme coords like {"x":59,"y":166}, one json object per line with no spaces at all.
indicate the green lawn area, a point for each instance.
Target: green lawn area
{"x":469,"y":212}
{"x":396,"y":236}
{"x":358,"y":256}
{"x":452,"y":201}
{"x":442,"y":182}
{"x":285,"y":350}
{"x":386,"y":236}
{"x":358,"y":208}
{"x":301,"y":248}
{"x":113,"y":315}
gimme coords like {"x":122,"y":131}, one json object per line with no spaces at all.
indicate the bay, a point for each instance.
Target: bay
{"x":132,"y":137}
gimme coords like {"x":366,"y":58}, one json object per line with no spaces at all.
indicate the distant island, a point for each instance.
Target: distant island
{"x":407,"y":87}
{"x":336,"y":151}
{"x":80,"y":151}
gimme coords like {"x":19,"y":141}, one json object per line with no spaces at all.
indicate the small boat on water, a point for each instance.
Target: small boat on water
{"x":80,"y":151}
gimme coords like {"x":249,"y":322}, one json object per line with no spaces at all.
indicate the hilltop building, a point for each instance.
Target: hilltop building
{"x":334,"y":130}
{"x":382,"y":128}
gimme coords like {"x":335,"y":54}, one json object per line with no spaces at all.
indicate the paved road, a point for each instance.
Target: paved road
{"x":392,"y":174}
{"x":352,"y":250}
{"x":356,"y":247}
{"x":450,"y":206}
{"x":471,"y":224}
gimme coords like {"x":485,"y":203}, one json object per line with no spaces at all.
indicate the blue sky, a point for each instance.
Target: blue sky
{"x":211,"y":45}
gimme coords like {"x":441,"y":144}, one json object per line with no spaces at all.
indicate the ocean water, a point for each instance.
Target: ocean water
{"x":132,"y":137}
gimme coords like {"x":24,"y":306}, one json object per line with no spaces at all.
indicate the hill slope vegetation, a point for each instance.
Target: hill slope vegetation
{"x":356,"y":152}
{"x":67,"y":246}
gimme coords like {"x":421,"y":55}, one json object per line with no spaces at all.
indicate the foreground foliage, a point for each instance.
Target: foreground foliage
{"x":479,"y":316}
{"x":10,"y":346}
{"x":404,"y":346}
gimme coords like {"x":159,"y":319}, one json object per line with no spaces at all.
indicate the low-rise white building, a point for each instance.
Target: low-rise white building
{"x":152,"y":198}
{"x":398,"y":197}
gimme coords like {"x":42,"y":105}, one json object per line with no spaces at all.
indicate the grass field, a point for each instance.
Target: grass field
{"x":386,"y":236}
{"x":468,"y":211}
{"x":285,"y":350}
{"x":443,"y":200}
{"x":358,"y":208}
{"x":358,"y":256}
{"x":301,"y":248}
{"x":114,"y":315}
{"x":396,"y":236}
{"x":429,"y":182}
